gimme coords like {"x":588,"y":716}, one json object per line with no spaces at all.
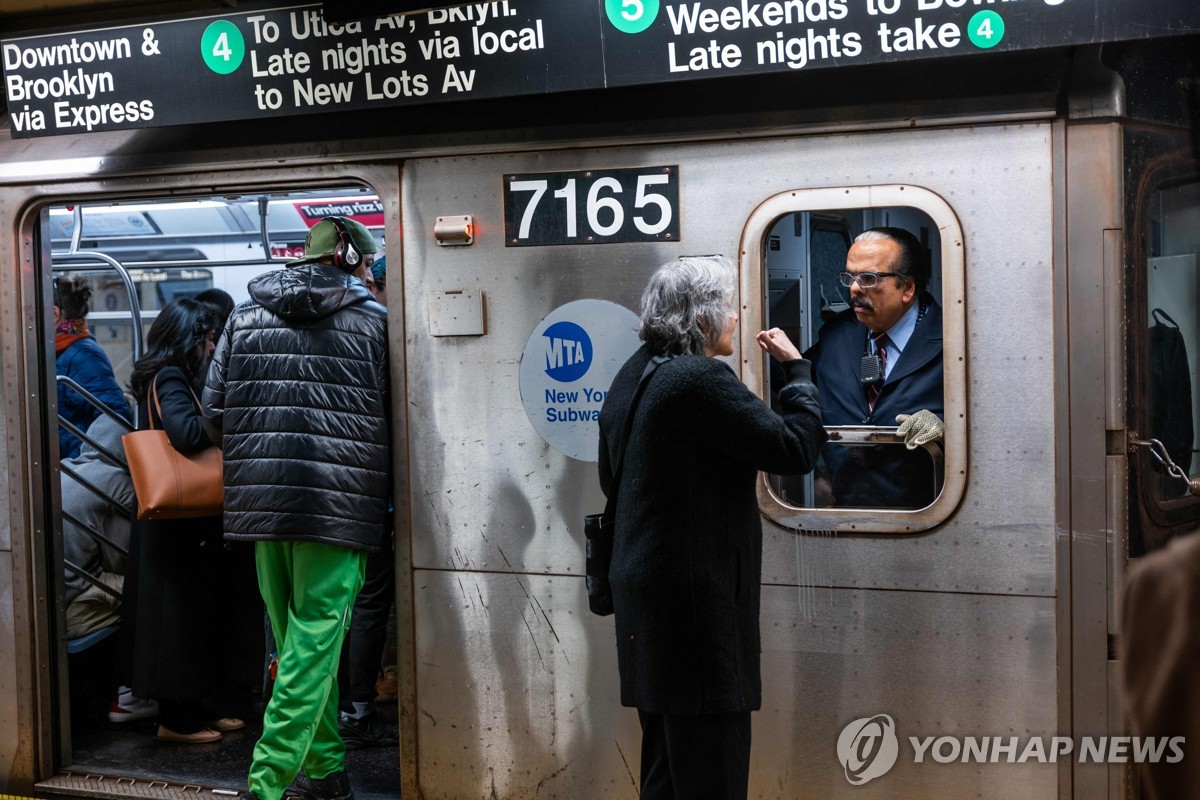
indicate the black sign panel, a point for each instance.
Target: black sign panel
{"x":592,"y":207}
{"x":292,"y":60}
{"x":289,"y":61}
{"x":676,"y":40}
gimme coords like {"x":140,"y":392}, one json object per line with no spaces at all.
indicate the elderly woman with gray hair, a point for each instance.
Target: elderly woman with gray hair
{"x":687,"y":552}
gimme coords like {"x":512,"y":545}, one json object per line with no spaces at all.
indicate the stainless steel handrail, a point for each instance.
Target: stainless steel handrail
{"x":95,"y":534}
{"x":94,"y":401}
{"x":94,"y":581}
{"x":91,"y":487}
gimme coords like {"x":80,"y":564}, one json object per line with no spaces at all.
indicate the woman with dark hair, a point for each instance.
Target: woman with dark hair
{"x":196,"y":641}
{"x":221,"y":302}
{"x":687,"y":549}
{"x":80,"y":357}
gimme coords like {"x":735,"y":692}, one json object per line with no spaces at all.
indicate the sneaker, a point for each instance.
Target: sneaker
{"x":369,"y":731}
{"x":333,"y":787}
{"x":127,"y":708}
{"x":228,"y":724}
{"x":204,"y":736}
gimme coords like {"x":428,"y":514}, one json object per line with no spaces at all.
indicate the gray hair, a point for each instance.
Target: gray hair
{"x":913,"y":262}
{"x":687,"y":304}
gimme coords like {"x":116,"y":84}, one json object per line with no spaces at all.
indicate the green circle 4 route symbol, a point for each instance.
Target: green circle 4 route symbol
{"x":986,"y":29}
{"x":631,"y":16}
{"x":223,"y":47}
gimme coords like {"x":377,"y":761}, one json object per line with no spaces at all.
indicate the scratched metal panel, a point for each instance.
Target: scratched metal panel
{"x":518,"y":692}
{"x":940,"y":664}
{"x":489,"y":493}
{"x":10,"y":727}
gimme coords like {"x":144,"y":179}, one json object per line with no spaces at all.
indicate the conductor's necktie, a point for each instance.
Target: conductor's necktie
{"x":874,"y":389}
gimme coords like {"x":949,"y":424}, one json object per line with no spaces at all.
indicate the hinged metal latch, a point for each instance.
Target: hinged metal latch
{"x":1159,"y":451}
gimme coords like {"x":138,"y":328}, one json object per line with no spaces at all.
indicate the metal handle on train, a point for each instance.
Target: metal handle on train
{"x":1159,"y":451}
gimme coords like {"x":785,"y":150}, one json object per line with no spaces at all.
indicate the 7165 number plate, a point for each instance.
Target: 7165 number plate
{"x":592,"y":207}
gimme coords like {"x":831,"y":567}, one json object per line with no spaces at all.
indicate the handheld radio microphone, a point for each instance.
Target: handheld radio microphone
{"x":870,"y":370}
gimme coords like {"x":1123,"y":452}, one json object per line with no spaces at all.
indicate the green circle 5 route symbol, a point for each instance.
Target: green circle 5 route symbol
{"x":986,"y":29}
{"x":223,"y":47}
{"x":631,"y":16}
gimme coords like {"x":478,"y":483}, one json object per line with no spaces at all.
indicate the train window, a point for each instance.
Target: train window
{"x":883,"y":345}
{"x":1170,"y":399}
{"x":177,"y":248}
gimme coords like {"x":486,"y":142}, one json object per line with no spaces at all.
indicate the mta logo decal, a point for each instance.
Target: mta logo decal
{"x":568,"y":352}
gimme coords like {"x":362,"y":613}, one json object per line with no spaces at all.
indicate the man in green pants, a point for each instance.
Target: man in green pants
{"x":297,"y":395}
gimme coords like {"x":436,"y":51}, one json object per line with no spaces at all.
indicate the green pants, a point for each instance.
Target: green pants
{"x":309,"y":589}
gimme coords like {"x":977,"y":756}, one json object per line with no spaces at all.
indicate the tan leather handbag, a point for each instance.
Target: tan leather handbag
{"x":168,"y":484}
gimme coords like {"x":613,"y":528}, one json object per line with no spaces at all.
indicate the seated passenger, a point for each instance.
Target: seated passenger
{"x":80,"y":357}
{"x":88,"y":607}
{"x":880,"y":363}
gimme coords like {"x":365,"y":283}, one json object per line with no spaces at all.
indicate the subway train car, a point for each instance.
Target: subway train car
{"x":526,"y":165}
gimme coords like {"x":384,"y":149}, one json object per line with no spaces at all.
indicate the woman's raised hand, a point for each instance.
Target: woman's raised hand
{"x":777,"y":344}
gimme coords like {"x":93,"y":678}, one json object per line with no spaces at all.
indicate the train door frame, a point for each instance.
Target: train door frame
{"x":1094,"y":289}
{"x":29,"y":419}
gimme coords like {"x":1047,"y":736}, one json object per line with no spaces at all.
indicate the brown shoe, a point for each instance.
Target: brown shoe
{"x":385,"y":687}
{"x":199,"y":737}
{"x":228,"y":724}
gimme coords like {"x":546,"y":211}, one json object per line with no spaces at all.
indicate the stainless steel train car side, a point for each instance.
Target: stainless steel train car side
{"x":994,"y":617}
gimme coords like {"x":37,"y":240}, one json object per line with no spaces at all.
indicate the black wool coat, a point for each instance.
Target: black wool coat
{"x":687,"y":551}
{"x":196,"y":620}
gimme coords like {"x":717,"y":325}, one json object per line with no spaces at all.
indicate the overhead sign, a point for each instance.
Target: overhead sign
{"x":569,"y":362}
{"x":592,"y":207}
{"x":283,"y":61}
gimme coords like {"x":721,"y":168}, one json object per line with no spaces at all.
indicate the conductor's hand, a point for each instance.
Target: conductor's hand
{"x":777,"y":344}
{"x":920,"y":428}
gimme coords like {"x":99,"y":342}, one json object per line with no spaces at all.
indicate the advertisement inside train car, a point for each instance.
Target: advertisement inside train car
{"x":290,"y":60}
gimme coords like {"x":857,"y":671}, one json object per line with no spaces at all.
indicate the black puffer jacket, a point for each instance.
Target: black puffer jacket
{"x":297,"y":395}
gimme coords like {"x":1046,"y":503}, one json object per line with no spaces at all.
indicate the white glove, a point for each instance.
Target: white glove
{"x":920,"y":428}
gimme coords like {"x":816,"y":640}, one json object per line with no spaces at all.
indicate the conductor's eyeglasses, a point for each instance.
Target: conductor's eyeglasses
{"x":866,"y":280}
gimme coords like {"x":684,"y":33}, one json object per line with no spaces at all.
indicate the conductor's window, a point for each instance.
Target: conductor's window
{"x":1169,"y":406}
{"x":861,"y":292}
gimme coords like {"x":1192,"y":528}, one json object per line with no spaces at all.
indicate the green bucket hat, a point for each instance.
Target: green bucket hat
{"x":323,"y":240}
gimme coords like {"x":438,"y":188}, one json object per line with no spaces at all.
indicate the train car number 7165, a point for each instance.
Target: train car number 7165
{"x":638,"y":204}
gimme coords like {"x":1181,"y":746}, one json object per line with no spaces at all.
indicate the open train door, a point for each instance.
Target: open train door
{"x":141,"y":242}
